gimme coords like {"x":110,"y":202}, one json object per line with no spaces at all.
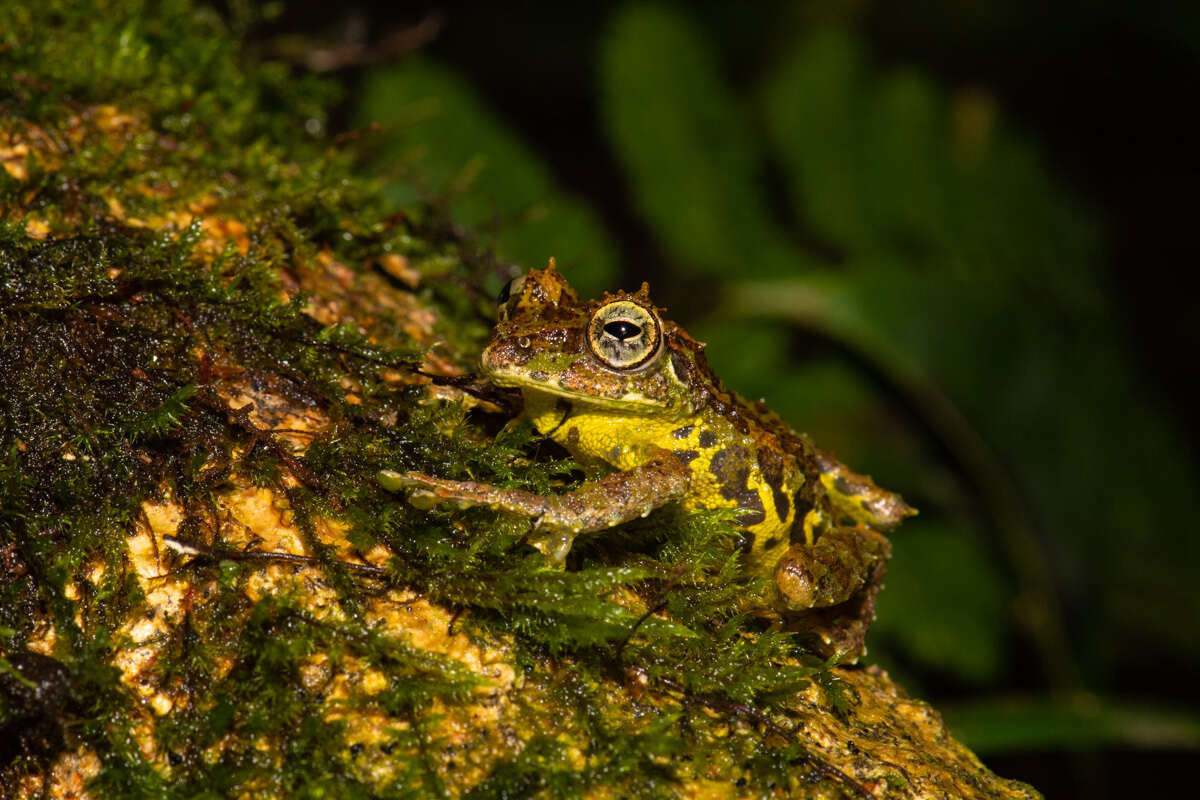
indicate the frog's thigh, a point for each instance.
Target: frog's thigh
{"x":830,"y":571}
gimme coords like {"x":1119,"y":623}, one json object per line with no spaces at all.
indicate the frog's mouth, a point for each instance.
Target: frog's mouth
{"x":543,"y":383}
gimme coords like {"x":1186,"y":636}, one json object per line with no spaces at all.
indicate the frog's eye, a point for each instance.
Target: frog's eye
{"x":625,"y":335}
{"x":506,"y":301}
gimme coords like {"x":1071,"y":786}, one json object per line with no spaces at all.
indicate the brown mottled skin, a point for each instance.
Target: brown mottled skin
{"x":615,"y":383}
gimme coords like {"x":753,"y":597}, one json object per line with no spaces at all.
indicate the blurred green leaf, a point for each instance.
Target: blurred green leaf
{"x":967,"y":282}
{"x":945,"y":600}
{"x":967,"y":260}
{"x":1087,"y":722}
{"x":694,"y":167}
{"x":813,"y":113}
{"x":439,"y":136}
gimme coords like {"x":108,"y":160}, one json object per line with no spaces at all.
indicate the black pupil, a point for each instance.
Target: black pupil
{"x":505,"y":293}
{"x":622,"y":329}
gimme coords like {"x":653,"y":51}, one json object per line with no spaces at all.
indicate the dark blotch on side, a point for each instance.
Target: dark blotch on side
{"x":726,"y":462}
{"x":731,"y":468}
{"x":803,"y":502}
{"x":796,"y":532}
{"x":707,"y":439}
{"x":755,"y":513}
{"x":684,"y":432}
{"x":686,"y":456}
{"x":770,"y":463}
{"x":573,"y":436}
{"x":844,"y":486}
{"x":781,"y":503}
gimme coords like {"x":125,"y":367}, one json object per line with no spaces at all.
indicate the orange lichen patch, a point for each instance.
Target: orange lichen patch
{"x":167,"y":599}
{"x":219,"y":231}
{"x":45,"y":636}
{"x":340,"y":294}
{"x":329,"y":308}
{"x":889,"y":743}
{"x":427,"y":626}
{"x":67,"y":778}
{"x":399,"y":268}
{"x":223,"y":231}
{"x":25,"y":144}
{"x":22,"y":143}
{"x":13,"y":157}
{"x":254,"y":518}
{"x":112,"y":120}
{"x":37,"y":228}
{"x":332,"y":532}
{"x":349,"y":683}
{"x":287,"y":423}
{"x":258,"y":517}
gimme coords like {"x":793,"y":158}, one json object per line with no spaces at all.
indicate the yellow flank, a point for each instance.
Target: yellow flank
{"x":624,"y":441}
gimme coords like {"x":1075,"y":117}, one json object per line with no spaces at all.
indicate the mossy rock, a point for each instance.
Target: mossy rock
{"x":212,"y":336}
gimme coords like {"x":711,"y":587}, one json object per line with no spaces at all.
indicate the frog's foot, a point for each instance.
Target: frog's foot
{"x":831,"y":570}
{"x":558,"y":519}
{"x":428,"y":491}
{"x":828,"y":590}
{"x":838,"y":632}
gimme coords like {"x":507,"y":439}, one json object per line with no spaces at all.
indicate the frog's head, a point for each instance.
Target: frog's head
{"x":616,"y":352}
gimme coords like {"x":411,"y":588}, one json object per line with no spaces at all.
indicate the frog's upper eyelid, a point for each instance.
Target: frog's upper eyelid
{"x":509,"y":289}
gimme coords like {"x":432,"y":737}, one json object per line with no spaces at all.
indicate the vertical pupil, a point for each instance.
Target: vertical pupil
{"x":622,"y":329}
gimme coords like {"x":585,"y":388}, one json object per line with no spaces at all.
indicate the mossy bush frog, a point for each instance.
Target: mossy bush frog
{"x":613,"y":381}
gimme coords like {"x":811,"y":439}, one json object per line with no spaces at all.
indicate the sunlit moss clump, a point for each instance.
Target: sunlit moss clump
{"x":212,"y":336}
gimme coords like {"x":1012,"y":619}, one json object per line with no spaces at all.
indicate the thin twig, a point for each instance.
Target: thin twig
{"x":222,"y":554}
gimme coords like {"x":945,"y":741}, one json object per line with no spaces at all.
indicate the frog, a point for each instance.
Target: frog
{"x":624,"y":389}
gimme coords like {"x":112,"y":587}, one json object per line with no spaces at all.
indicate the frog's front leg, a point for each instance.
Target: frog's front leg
{"x":832,"y":569}
{"x":558,"y":519}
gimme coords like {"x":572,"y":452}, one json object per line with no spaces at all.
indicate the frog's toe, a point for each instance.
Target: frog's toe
{"x":553,"y":544}
{"x":391,"y":480}
{"x":427,"y":492}
{"x":423,"y":499}
{"x":395,"y":481}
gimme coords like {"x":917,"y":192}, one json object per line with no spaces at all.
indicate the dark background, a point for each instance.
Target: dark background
{"x":1102,"y":90}
{"x":1106,"y":86}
